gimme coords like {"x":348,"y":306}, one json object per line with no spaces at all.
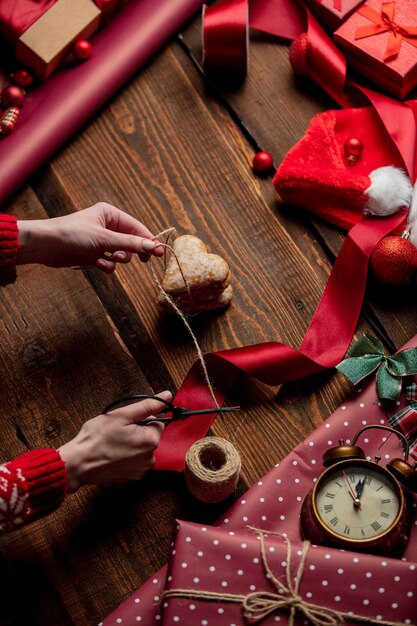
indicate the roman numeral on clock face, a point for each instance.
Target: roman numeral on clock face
{"x":376,"y":525}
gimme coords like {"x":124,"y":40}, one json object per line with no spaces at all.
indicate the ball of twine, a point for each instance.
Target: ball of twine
{"x":212,"y":467}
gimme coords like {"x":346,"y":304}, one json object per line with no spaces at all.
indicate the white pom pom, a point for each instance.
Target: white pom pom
{"x":412,"y":218}
{"x":390,"y":190}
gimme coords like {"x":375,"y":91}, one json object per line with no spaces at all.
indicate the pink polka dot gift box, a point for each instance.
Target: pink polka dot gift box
{"x":274,"y":504}
{"x":221,"y":577}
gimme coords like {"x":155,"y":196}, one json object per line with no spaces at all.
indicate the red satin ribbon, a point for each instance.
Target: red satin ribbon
{"x":335,"y":319}
{"x":226,"y":36}
{"x":324,"y":344}
{"x":383,"y":22}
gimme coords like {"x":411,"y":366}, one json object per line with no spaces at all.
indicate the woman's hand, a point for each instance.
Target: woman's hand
{"x":100,"y":235}
{"x":113,"y":447}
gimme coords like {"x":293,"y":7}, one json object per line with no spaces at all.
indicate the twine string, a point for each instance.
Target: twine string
{"x":259,"y":604}
{"x":176,"y":308}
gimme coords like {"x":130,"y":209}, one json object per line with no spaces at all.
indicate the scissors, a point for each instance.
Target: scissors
{"x":177,"y":412}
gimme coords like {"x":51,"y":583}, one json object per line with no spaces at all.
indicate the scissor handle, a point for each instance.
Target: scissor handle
{"x":137,"y":396}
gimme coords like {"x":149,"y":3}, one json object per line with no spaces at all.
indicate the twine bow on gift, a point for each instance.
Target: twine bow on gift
{"x":383,"y":22}
{"x":367,"y":356}
{"x":258,"y":605}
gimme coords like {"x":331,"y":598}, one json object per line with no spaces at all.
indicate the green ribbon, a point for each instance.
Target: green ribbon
{"x":367,"y":356}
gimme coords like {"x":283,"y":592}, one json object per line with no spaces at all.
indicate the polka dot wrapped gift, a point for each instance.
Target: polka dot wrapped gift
{"x":273,"y":503}
{"x":225,"y":577}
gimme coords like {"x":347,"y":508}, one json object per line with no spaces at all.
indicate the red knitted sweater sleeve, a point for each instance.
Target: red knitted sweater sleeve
{"x":32,"y":485}
{"x":8,"y":248}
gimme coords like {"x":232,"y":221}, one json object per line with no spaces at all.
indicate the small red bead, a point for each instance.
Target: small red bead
{"x":23,"y":78}
{"x":262,"y":162}
{"x":353,"y":147}
{"x":82,"y":50}
{"x":12,"y":96}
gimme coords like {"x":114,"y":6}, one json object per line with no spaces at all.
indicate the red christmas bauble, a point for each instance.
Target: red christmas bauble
{"x":23,"y":78}
{"x":82,"y":50}
{"x":394,"y":261}
{"x":12,"y":96}
{"x":262,"y":162}
{"x":298,"y":55}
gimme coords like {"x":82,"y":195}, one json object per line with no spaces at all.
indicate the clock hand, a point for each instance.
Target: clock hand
{"x":359,"y":487}
{"x":356,"y":501}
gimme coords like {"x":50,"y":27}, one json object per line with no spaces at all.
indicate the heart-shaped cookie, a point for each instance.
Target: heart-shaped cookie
{"x":195,"y":279}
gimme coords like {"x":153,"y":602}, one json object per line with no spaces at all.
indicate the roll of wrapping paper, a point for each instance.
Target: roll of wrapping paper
{"x":56,"y":109}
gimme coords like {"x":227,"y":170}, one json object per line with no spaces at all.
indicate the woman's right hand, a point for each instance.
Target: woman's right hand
{"x":112,"y":447}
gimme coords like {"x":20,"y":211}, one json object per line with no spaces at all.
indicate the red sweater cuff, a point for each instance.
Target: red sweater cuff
{"x":8,"y":248}
{"x":44,"y":476}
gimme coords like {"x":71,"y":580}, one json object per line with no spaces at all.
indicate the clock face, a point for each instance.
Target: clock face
{"x":357,"y":502}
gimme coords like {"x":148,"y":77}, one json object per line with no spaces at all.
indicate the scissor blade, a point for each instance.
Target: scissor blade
{"x":225,"y":409}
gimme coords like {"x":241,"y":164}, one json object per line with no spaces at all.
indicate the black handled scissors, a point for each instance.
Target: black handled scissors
{"x":177,"y":412}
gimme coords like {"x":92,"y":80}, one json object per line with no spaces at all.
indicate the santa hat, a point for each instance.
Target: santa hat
{"x":320,"y":174}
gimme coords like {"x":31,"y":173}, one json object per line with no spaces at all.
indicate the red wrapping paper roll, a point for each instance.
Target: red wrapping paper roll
{"x":55,"y":110}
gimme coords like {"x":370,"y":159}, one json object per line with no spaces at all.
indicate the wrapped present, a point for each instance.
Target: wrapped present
{"x":43,"y":31}
{"x":274,"y":502}
{"x":380,"y":41}
{"x":332,"y":13}
{"x":227,"y":577}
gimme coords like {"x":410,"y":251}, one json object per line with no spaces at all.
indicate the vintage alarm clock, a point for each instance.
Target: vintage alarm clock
{"x":358,"y":504}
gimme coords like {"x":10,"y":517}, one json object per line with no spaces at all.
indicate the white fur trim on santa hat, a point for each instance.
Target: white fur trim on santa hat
{"x":390,"y":190}
{"x":412,"y":218}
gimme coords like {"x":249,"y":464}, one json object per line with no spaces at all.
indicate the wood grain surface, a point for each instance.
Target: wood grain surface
{"x":174,"y":150}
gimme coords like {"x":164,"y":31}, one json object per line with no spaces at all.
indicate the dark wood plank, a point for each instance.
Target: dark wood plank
{"x":276,"y":107}
{"x":61,"y":362}
{"x":187,"y":165}
{"x":167,"y":150}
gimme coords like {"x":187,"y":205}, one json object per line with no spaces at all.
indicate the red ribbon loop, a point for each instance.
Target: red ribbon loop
{"x":226,"y":36}
{"x":384,"y":22}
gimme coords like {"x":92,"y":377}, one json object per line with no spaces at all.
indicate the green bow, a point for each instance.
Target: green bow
{"x":367,"y":356}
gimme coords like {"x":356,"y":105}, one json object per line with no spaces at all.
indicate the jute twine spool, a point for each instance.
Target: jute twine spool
{"x":212,"y":467}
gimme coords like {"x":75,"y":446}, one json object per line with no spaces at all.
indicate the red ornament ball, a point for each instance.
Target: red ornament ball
{"x":353,"y":147}
{"x":82,"y":50}
{"x":12,"y":96}
{"x":394,"y":261}
{"x":23,"y":78}
{"x":298,"y":55}
{"x":262,"y":162}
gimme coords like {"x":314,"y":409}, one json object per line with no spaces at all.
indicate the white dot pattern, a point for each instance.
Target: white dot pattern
{"x":382,"y":588}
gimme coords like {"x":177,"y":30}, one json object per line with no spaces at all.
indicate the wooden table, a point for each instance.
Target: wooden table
{"x":172,"y":150}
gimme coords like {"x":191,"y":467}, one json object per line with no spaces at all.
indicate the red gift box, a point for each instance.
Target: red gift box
{"x":332,"y":13}
{"x":380,"y":41}
{"x":227,"y":577}
{"x":274,"y":502}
